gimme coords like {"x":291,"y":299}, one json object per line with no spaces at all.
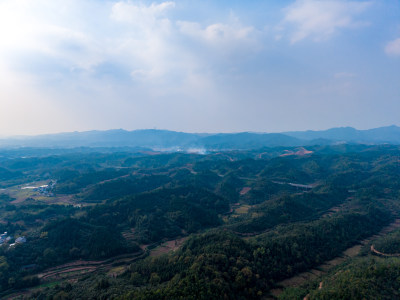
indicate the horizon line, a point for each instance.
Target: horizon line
{"x":209,"y":133}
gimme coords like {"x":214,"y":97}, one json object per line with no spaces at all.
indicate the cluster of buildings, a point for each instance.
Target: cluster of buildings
{"x":44,"y":190}
{"x":5,"y":239}
{"x":18,"y":240}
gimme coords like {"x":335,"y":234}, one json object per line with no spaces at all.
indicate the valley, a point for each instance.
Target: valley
{"x":235,"y":225}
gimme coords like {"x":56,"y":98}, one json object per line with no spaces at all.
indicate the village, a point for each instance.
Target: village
{"x":5,"y":240}
{"x":44,"y":190}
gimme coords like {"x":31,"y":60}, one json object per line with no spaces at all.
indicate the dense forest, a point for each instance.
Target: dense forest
{"x":130,"y":224}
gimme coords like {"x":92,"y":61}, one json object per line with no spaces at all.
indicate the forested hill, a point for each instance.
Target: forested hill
{"x":223,"y":225}
{"x":165,"y":140}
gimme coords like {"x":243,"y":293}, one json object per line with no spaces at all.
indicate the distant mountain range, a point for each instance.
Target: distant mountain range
{"x":165,"y":140}
{"x":388,"y":134}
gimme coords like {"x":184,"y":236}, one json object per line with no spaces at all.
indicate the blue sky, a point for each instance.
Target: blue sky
{"x":198,"y":66}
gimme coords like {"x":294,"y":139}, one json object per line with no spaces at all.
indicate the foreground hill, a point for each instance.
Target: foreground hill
{"x":99,"y":225}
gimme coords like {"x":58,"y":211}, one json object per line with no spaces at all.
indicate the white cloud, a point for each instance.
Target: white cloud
{"x":226,"y":43}
{"x":30,"y":29}
{"x":393,"y":47}
{"x":81,"y":35}
{"x":139,"y":13}
{"x":216,"y":33}
{"x":147,"y":19}
{"x":319,"y":20}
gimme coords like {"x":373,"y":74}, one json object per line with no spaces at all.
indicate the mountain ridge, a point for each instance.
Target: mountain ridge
{"x":175,"y":141}
{"x":386,"y":134}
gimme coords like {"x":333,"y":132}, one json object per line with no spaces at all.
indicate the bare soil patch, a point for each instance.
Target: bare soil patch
{"x":168,"y":246}
{"x":243,"y":209}
{"x":77,"y":268}
{"x":245,"y":190}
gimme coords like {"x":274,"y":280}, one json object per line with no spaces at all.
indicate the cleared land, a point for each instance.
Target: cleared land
{"x":168,"y":246}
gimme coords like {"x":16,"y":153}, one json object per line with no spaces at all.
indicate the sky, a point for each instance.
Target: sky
{"x":198,"y":66}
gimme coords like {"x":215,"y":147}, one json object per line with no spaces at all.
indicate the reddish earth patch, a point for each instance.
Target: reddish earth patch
{"x":76,"y":268}
{"x":301,"y":152}
{"x":245,"y":190}
{"x":129,"y":235}
{"x":144,"y":246}
{"x":168,"y":246}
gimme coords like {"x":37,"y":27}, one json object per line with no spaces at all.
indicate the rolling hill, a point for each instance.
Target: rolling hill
{"x":165,"y":140}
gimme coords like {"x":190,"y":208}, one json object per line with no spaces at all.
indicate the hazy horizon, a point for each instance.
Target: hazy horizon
{"x":182,"y":131}
{"x":198,"y":66}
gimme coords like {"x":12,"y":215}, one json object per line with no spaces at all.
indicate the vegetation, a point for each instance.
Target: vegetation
{"x":389,"y":244}
{"x":364,"y":278}
{"x":251,"y":219}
